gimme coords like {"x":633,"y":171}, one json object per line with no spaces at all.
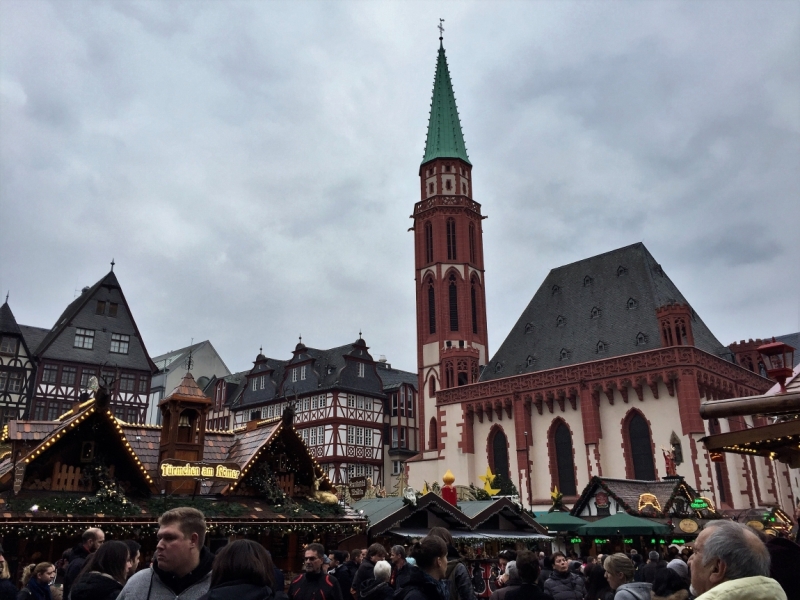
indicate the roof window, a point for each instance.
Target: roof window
{"x":595,"y":313}
{"x":641,"y":339}
{"x":564,"y":354}
{"x":556,"y":289}
{"x":632,"y":303}
{"x":587,"y":281}
{"x":621,"y":271}
{"x":530,"y":361}
{"x":528,"y":327}
{"x":561,"y":321}
{"x":601,"y":347}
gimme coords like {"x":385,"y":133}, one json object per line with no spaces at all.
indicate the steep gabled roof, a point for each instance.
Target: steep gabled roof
{"x":609,"y":299}
{"x":445,"y":139}
{"x":394,"y":378}
{"x":627,"y":492}
{"x":8,"y":324}
{"x":56,"y":345}
{"x":33,"y":336}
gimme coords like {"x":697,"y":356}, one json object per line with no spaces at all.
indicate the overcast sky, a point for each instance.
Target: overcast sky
{"x":251,"y":166}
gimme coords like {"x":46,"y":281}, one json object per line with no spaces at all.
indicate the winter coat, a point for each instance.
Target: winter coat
{"x":315,"y":586}
{"x":34,"y":591}
{"x":636,"y":590}
{"x":365,"y":573}
{"x":95,"y":586}
{"x":77,"y":558}
{"x":8,"y":591}
{"x":240,"y":590}
{"x":156,"y":584}
{"x":648,"y":572}
{"x":344,"y":576}
{"x":512,"y":584}
{"x":679,"y":595}
{"x":746,"y":588}
{"x":566,"y":586}
{"x":527,"y":591}
{"x":419,"y":587}
{"x":460,"y":581}
{"x":402,"y":575}
{"x":544,"y":575}
{"x":375,"y":590}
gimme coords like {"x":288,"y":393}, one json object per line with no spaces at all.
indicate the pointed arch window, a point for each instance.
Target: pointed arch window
{"x":433,"y":434}
{"x":499,"y":453}
{"x":472,"y":242}
{"x":449,"y":377}
{"x":453,"y":292}
{"x":473,"y":296}
{"x":641,"y":448}
{"x":431,"y":308}
{"x":428,"y":242}
{"x":451,"y":239}
{"x":565,"y":462}
{"x":432,"y":386}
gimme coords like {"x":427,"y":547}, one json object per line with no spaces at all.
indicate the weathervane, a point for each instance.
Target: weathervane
{"x":441,"y":28}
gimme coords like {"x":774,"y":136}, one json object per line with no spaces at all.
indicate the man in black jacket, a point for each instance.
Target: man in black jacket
{"x":527,"y":567}
{"x":91,"y":540}
{"x":375,"y":553}
{"x":340,"y":569}
{"x":313,"y":584}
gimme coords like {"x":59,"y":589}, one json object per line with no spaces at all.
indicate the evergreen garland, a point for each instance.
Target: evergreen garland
{"x":505,"y":485}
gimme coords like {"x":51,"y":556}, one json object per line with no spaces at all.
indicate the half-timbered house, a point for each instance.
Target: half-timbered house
{"x":95,"y":336}
{"x":17,"y":368}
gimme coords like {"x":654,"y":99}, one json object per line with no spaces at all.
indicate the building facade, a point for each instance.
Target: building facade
{"x":602,"y":375}
{"x":17,"y":368}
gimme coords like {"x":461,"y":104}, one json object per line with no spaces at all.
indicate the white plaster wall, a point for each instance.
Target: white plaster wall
{"x":540,"y":425}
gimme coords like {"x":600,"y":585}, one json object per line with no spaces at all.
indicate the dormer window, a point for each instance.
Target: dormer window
{"x":595,"y":313}
{"x":530,"y":361}
{"x":8,"y":345}
{"x":255,"y":384}
{"x":561,"y":321}
{"x":498,"y":366}
{"x":361,"y":369}
{"x":294,"y":374}
{"x":641,"y":339}
{"x":303,"y":373}
{"x":556,"y":289}
{"x":528,"y":327}
{"x":262,"y":381}
{"x":564,"y":354}
{"x":601,"y":347}
{"x":632,"y":303}
{"x":621,"y":271}
{"x":587,"y":281}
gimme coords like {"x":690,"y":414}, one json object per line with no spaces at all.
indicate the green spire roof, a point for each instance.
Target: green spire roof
{"x":445,"y":139}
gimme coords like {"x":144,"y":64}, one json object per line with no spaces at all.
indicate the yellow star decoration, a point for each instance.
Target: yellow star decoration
{"x":556,"y":496}
{"x":425,"y":489}
{"x":488,"y":480}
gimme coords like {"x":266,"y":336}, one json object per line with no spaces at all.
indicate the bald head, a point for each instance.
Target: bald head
{"x":93,"y":538}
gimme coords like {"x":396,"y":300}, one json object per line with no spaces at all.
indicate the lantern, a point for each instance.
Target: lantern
{"x":779,"y":360}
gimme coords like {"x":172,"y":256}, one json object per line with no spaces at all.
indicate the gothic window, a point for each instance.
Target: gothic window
{"x":464,"y":188}
{"x":641,"y":448}
{"x":432,"y":386}
{"x":601,"y":347}
{"x":595,"y":313}
{"x":463,"y":372}
{"x":621,"y":271}
{"x":587,"y":281}
{"x":430,"y":188}
{"x":632,"y":303}
{"x":641,"y":339}
{"x":561,"y":321}
{"x":666,"y":332}
{"x":448,"y":375}
{"x":565,"y":464}
{"x":447,"y":168}
{"x":474,"y":302}
{"x":472,"y":242}
{"x":431,"y":308}
{"x":556,"y":290}
{"x":451,"y":239}
{"x":499,"y":453}
{"x":433,"y":437}
{"x":428,"y":242}
{"x":453,"y":291}
{"x":448,"y":185}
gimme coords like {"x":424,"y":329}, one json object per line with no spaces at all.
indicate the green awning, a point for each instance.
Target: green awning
{"x":560,"y":521}
{"x":623,"y":524}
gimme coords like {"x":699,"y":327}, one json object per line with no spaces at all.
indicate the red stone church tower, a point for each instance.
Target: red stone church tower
{"x":451,"y":306}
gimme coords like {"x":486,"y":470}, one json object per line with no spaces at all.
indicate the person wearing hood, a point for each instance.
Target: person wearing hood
{"x":36,"y":582}
{"x":619,"y":573}
{"x":181,"y":569}
{"x":378,"y":588}
{"x":241,"y":570}
{"x":427,"y":577}
{"x":104,"y":574}
{"x":562,"y":583}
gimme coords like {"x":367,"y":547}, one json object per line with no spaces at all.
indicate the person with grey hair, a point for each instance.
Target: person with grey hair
{"x":512,"y":583}
{"x":378,"y":588}
{"x":730,"y":562}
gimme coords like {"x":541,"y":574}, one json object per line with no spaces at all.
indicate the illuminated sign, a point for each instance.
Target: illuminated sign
{"x":628,"y":540}
{"x":699,"y":504}
{"x":678,"y":541}
{"x":601,"y":541}
{"x":575,"y":540}
{"x":181,"y":469}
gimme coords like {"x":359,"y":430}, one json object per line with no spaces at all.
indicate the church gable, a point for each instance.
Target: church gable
{"x":596,"y":308}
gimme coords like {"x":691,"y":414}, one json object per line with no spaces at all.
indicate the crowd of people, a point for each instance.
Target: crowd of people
{"x":728,"y":561}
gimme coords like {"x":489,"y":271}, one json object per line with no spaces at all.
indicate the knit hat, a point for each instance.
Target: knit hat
{"x":653,"y":555}
{"x":680,"y":567}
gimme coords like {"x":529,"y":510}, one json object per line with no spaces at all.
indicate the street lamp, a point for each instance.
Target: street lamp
{"x":779,"y":359}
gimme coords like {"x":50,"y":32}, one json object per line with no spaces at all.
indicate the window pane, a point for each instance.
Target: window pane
{"x":15,"y":382}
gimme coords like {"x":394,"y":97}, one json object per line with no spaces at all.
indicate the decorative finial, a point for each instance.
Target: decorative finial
{"x":189,"y":359}
{"x":261,"y":349}
{"x":112,"y":265}
{"x":301,"y":339}
{"x":441,"y":29}
{"x":359,"y":333}
{"x":7,"y":293}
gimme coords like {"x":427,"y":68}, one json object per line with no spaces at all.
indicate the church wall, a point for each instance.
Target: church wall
{"x":541,"y":478}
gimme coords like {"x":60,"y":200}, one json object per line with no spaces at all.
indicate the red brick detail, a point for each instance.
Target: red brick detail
{"x":714,"y":428}
{"x":689,"y":403}
{"x":746,"y":354}
{"x":626,"y":443}
{"x":771,"y":478}
{"x":590,"y":416}
{"x":698,"y":479}
{"x":522,"y":426}
{"x":597,"y":461}
{"x":675,"y":321}
{"x":756,"y":486}
{"x":442,"y":433}
{"x":467,"y":442}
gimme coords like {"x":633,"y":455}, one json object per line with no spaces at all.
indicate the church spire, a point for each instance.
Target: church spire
{"x":445,"y":139}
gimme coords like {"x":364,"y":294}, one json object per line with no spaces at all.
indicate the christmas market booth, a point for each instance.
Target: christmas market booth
{"x":480,"y":528}
{"x":622,"y":514}
{"x":89,"y":469}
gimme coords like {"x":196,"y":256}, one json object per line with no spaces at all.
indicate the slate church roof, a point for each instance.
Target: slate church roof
{"x":596,"y":308}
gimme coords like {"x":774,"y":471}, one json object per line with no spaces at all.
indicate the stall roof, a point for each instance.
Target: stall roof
{"x":490,"y":534}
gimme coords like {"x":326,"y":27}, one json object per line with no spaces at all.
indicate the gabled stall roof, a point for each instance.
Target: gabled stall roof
{"x":628,"y":491}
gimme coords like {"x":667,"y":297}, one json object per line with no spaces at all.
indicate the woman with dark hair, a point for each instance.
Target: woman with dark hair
{"x":457,"y":574}
{"x":425,"y":581}
{"x":36,"y":581}
{"x":597,"y":587}
{"x":243,"y":570}
{"x":669,"y":585}
{"x":104,"y":574}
